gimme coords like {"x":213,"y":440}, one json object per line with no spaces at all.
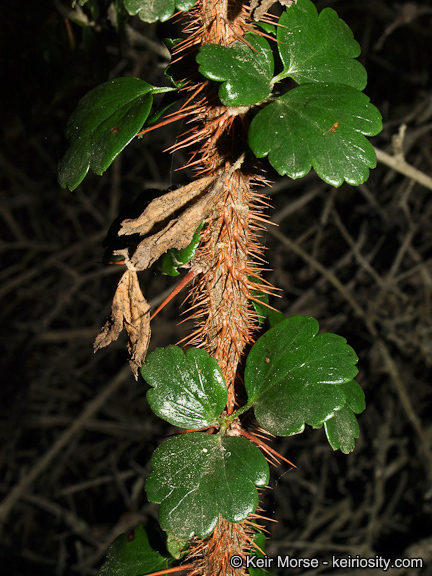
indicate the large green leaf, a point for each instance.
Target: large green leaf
{"x":198,"y":476}
{"x":188,"y":387}
{"x":342,"y":428}
{"x":105,"y":121}
{"x":153,"y":10}
{"x":293,"y":376}
{"x":318,"y":48}
{"x":320,"y":126}
{"x":245,"y":71}
{"x":132,"y":554}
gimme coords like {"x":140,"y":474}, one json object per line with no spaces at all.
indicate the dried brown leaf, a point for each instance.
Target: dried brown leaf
{"x":260,"y":7}
{"x":130,"y":311}
{"x":160,"y":208}
{"x":177,"y":233}
{"x":196,"y":199}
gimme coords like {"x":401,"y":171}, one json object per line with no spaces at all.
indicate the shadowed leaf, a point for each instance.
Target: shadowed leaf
{"x":105,"y":121}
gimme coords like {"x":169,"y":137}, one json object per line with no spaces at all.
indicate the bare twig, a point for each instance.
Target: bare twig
{"x":406,"y":403}
{"x":398,"y":164}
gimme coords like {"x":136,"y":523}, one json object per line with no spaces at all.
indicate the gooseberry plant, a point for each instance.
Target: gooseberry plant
{"x":251,"y":85}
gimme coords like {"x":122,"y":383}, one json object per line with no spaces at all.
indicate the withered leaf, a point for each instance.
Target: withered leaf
{"x":178,"y":233}
{"x":160,"y":208}
{"x":196,"y":199}
{"x":130,"y":311}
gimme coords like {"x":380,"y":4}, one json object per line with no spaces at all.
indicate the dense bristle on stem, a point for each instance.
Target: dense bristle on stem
{"x":221,"y":295}
{"x":212,"y":555}
{"x":220,"y":298}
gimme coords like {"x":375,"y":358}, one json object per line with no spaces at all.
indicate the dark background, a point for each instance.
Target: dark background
{"x":376,"y":239}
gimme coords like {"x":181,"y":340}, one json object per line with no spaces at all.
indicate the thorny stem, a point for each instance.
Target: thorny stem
{"x":220,"y":295}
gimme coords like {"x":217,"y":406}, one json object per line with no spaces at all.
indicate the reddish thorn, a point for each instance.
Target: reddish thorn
{"x":189,"y":276}
{"x":116,"y":262}
{"x":265,"y":447}
{"x":172,"y":570}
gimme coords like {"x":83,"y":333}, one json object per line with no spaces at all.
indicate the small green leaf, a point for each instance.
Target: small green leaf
{"x":291,"y":373}
{"x":198,"y":476}
{"x":342,"y":429}
{"x":188,"y":387}
{"x":260,"y":540}
{"x":153,"y":10}
{"x":177,"y":548}
{"x":267,"y":27}
{"x":105,"y":121}
{"x":132,"y":554}
{"x":261,"y":303}
{"x":245,"y":72}
{"x":176,"y":258}
{"x":320,"y":126}
{"x":318,"y":48}
{"x":261,"y":306}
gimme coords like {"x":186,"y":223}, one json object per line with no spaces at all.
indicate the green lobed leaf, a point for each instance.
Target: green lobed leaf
{"x":153,"y":10}
{"x":175,"y":258}
{"x":293,"y":376}
{"x":342,"y":429}
{"x":132,"y":554}
{"x":105,"y":121}
{"x":198,"y":476}
{"x":318,"y":48}
{"x":245,"y":72}
{"x":188,"y":387}
{"x":320,"y":126}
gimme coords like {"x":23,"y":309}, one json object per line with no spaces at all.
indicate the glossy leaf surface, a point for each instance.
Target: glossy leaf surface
{"x":321,"y":126}
{"x":318,"y":48}
{"x":198,"y":476}
{"x":154,"y":10}
{"x":105,"y":121}
{"x":293,"y":376}
{"x":245,"y":72}
{"x":175,"y":258}
{"x":342,"y":429}
{"x":132,"y":554}
{"x":188,"y":387}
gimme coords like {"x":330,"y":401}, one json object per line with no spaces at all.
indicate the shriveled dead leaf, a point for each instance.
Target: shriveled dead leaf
{"x":196,"y":199}
{"x":178,"y":233}
{"x":160,"y":208}
{"x":129,"y":311}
